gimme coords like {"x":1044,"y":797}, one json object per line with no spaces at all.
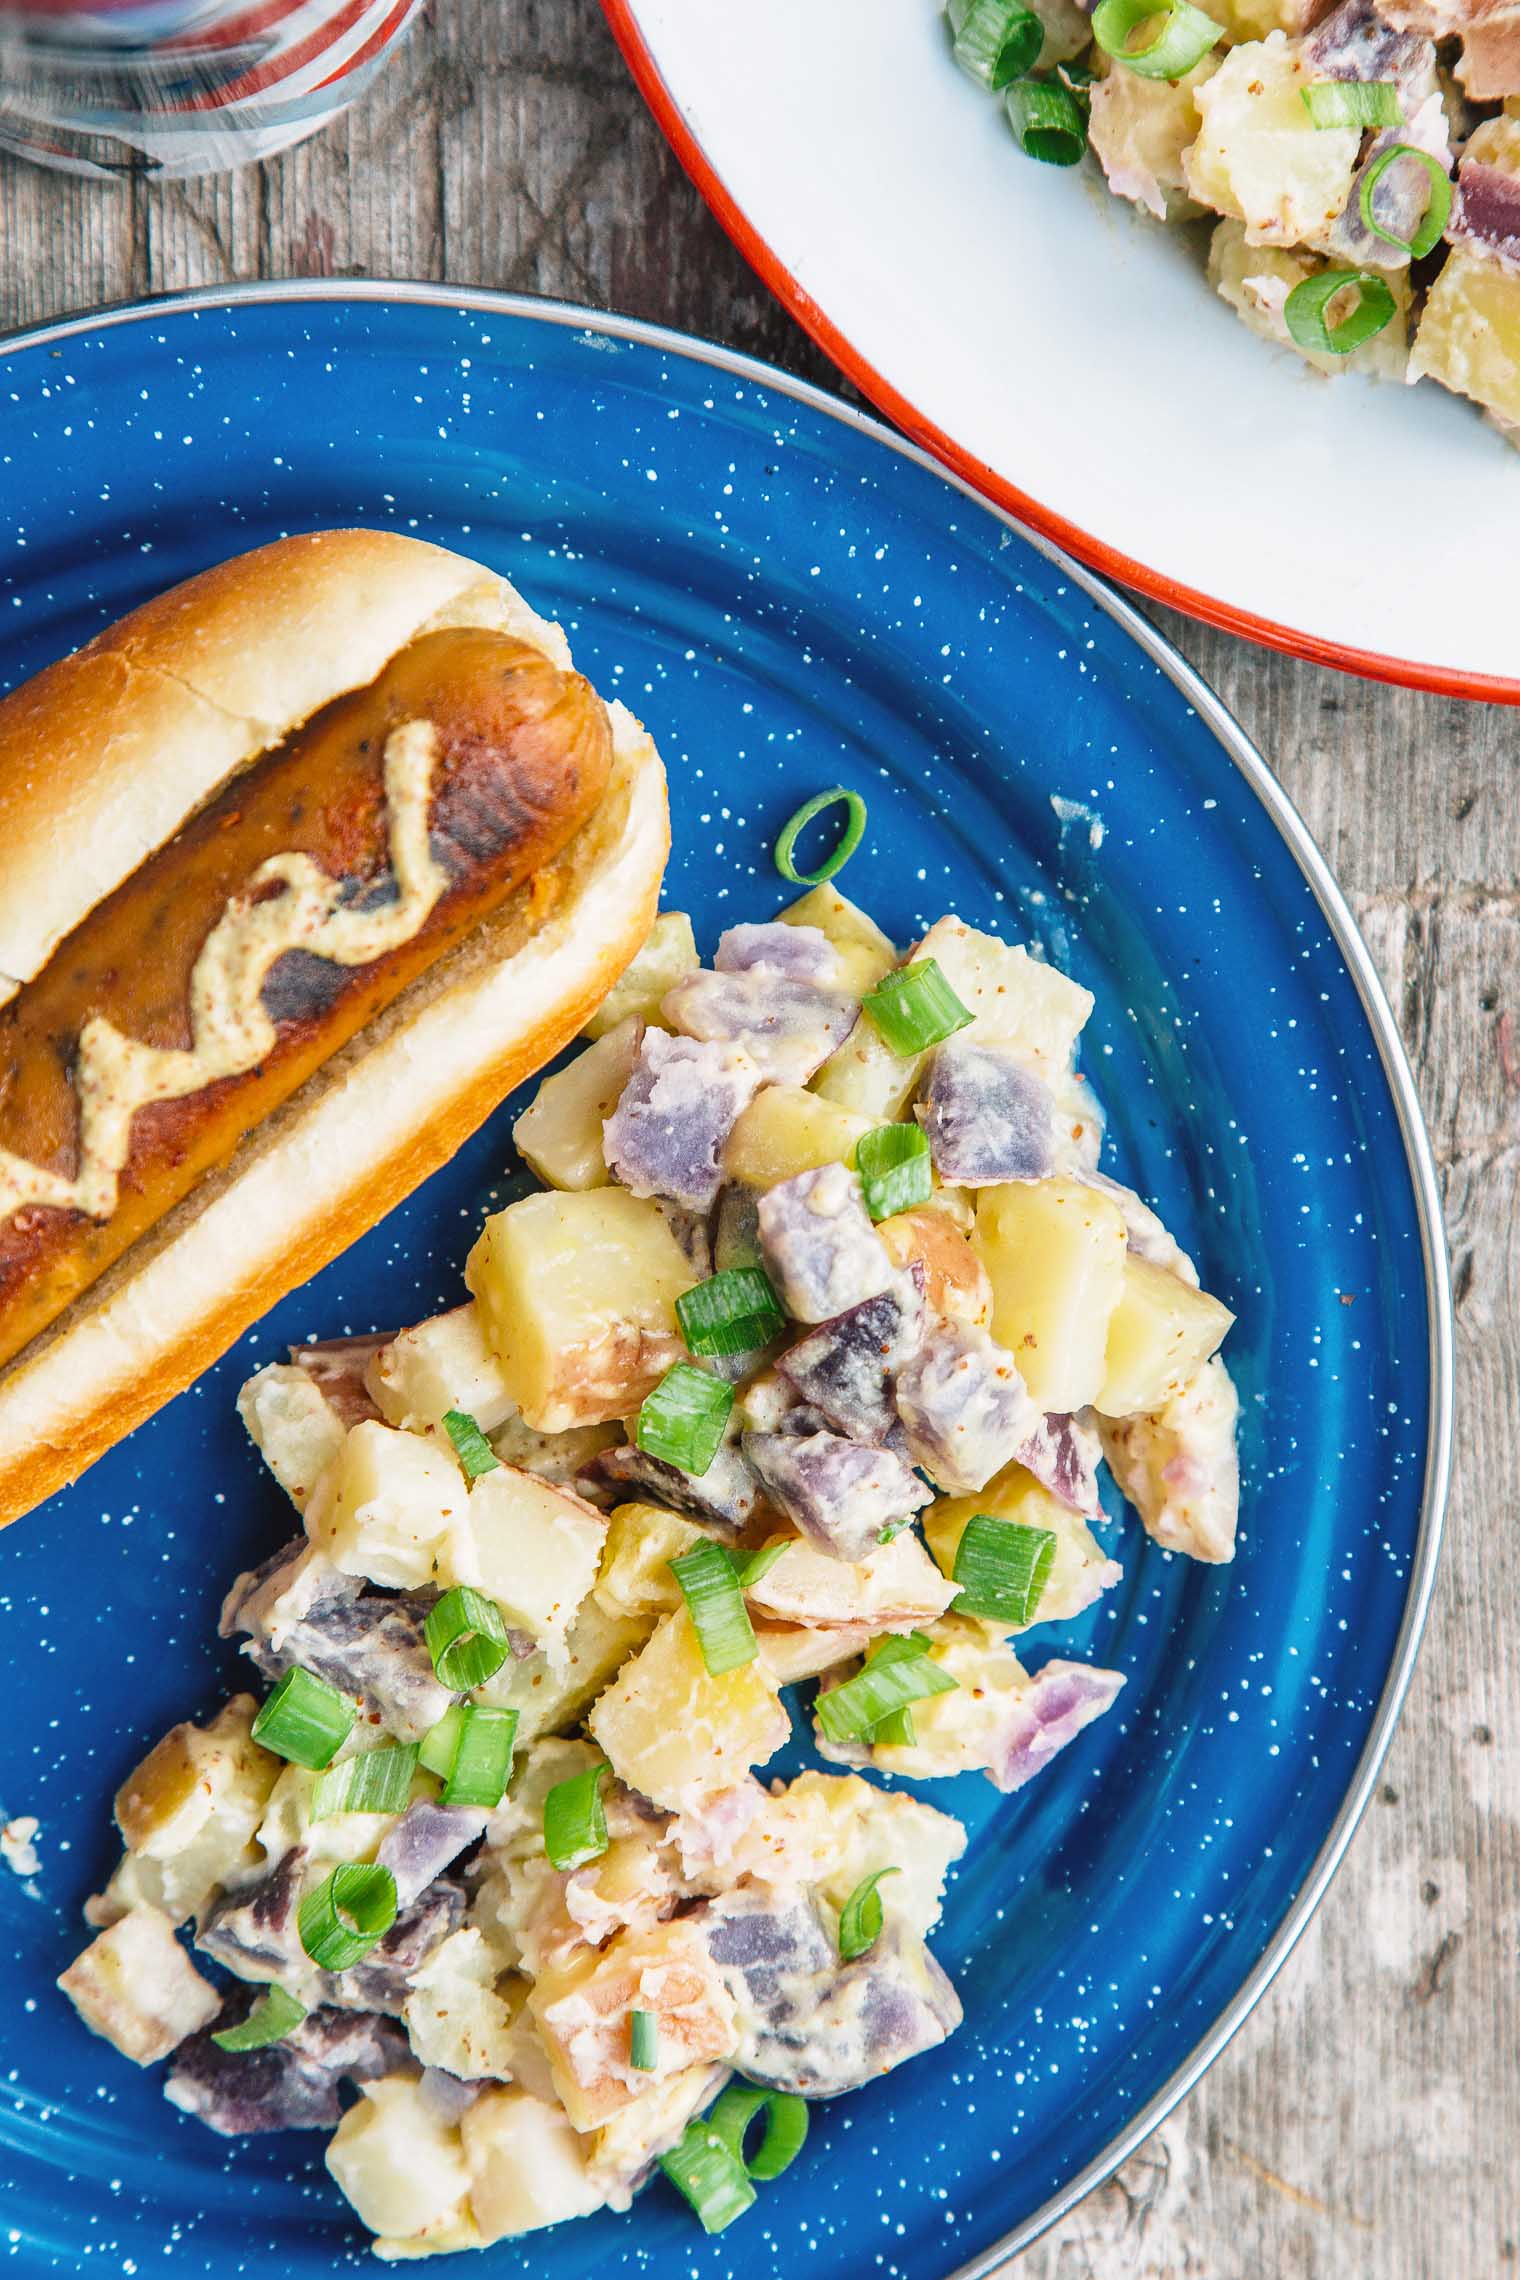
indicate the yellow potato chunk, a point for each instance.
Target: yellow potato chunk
{"x":669,"y":951}
{"x":1054,"y":1251}
{"x":460,"y":2009}
{"x":649,"y":2125}
{"x":1179,"y":1468}
{"x":582,"y":2009}
{"x":136,"y":1986}
{"x":438,"y":1365}
{"x":832,"y":1829}
{"x":642,"y":1540}
{"x":955,"y":1281}
{"x":959,"y":1732}
{"x":578,"y":1294}
{"x":1015,"y":1000}
{"x":527,"y":2167}
{"x":293,"y":1425}
{"x":895,"y":1587}
{"x":549,"y":1696}
{"x":1140,"y":129}
{"x":866,"y":1077}
{"x":1077,"y":1562}
{"x":1160,"y":1334}
{"x":793,"y":1651}
{"x":785,"y":1130}
{"x":1468,"y":336}
{"x":391,"y":1508}
{"x":402,"y":2169}
{"x":675,"y":1732}
{"x":560,"y":1134}
{"x":865,"y":954}
{"x":192,"y":1807}
{"x":536,"y":1549}
{"x":1259,"y":155}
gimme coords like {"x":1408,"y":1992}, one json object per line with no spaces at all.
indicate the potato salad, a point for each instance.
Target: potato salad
{"x":1356,"y":165}
{"x":790,"y":1388}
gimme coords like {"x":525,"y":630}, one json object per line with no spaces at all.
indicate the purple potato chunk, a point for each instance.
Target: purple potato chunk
{"x":821,"y":1250}
{"x":726,"y":1493}
{"x":964,"y":1407}
{"x":802,"y":953}
{"x":252,"y":1930}
{"x":844,"y":1370}
{"x":1486,"y":211}
{"x":254,"y":1604}
{"x":426,"y":1840}
{"x":668,"y":1132}
{"x":1354,"y":42}
{"x":338,"y":1366}
{"x":289,"y":2085}
{"x":988,"y":1118}
{"x":789,"y":1028}
{"x":841,"y":1496}
{"x":372,"y":1647}
{"x":1051,"y":1711}
{"x":1064,"y":1453}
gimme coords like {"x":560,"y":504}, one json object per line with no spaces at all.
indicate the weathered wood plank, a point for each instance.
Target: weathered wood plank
{"x":1365,"y":2124}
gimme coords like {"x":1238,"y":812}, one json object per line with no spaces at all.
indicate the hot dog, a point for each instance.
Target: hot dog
{"x":350,"y":847}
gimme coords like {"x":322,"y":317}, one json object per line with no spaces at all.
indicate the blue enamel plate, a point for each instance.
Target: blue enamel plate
{"x":790,"y":598}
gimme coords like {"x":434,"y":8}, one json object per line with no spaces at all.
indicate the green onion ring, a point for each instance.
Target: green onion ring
{"x":860,"y":1917}
{"x":849,"y":839}
{"x":1183,"y":37}
{"x":786,"y":2127}
{"x":1304,"y":311}
{"x":1048,"y":121}
{"x":1428,"y":236}
{"x":340,"y":1921}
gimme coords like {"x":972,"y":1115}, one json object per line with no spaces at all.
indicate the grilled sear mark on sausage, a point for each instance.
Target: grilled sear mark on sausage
{"x":304,"y":898}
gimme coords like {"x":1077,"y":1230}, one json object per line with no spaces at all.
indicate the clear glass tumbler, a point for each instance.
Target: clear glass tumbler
{"x":111,"y":87}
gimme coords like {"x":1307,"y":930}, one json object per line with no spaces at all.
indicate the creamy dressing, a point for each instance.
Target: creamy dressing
{"x":116,"y":1075}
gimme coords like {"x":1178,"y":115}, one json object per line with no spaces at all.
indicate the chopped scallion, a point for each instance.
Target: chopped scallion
{"x":305,"y":1720}
{"x":895,"y":1172}
{"x":1437,"y":212}
{"x":643,"y":2042}
{"x":467,"y":1638}
{"x":897,"y":1730}
{"x":441,"y":1742}
{"x":759,"y":1564}
{"x":575,"y":1821}
{"x":715,"y":1601}
{"x":995,"y":40}
{"x":852,"y":1710}
{"x":1048,"y":121}
{"x":849,"y":839}
{"x":474,"y":1451}
{"x":1306,"y":311}
{"x":1002,"y":1568}
{"x":1182,"y":35}
{"x":684,"y":1419}
{"x":482,"y":1761}
{"x":1352,"y":102}
{"x":703,"y":2168}
{"x":786,"y":2127}
{"x":860,"y":1917}
{"x":347,"y":1913}
{"x":914,"y":1007}
{"x":735,"y":1312}
{"x":376,"y":1781}
{"x":275,"y":2015}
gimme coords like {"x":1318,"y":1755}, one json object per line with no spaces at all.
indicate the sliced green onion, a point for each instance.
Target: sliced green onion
{"x":1183,"y":36}
{"x":643,"y":2042}
{"x":440,"y":1744}
{"x":1428,"y":236}
{"x":914,"y":1007}
{"x":851,"y":1711}
{"x":702,"y":2167}
{"x":376,"y":1781}
{"x":467,"y":1638}
{"x":683,"y":1421}
{"x":305,"y":1720}
{"x":1048,"y":120}
{"x":575,"y":1821}
{"x":482,"y":1763}
{"x":894,"y":1168}
{"x":849,"y":839}
{"x":347,"y":1913}
{"x":786,"y":2127}
{"x":731,"y":1313}
{"x":1304,"y":311}
{"x":474,"y":1451}
{"x":1002,"y":1568}
{"x":715,"y":1601}
{"x":759,"y":1564}
{"x":860,"y":1917}
{"x":897,"y":1730}
{"x":995,"y":40}
{"x":1352,"y":102}
{"x":275,"y":2015}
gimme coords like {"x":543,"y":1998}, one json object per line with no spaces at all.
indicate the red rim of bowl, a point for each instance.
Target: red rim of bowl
{"x":1442,"y":680}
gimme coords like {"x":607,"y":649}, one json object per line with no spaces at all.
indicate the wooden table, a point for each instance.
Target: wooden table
{"x":1365,"y":2124}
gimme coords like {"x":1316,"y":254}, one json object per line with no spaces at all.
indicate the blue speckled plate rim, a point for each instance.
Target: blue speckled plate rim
{"x":1291,"y":829}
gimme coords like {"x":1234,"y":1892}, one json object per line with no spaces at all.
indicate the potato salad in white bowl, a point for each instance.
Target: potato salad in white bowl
{"x":790,"y":1387}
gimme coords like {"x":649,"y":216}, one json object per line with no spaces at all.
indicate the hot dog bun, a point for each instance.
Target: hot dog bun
{"x":108,"y":759}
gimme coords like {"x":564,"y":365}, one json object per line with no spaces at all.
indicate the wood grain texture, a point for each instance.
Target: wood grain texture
{"x":1365,"y":2124}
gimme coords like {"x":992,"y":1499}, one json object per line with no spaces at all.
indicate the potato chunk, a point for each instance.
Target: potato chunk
{"x":865,"y":954}
{"x":669,"y":952}
{"x":442,"y":1364}
{"x":866,"y":1077}
{"x":642,"y":1540}
{"x":535,"y":1550}
{"x":1080,"y":1568}
{"x":1259,"y":155}
{"x":527,"y":2167}
{"x":549,"y":1696}
{"x":1468,"y":336}
{"x":1015,"y":1000}
{"x":191,"y":1808}
{"x":393,"y":1509}
{"x":786,"y":1130}
{"x":460,"y":2009}
{"x":293,"y":1425}
{"x":1179,"y":1466}
{"x":1140,"y":129}
{"x":560,"y":1133}
{"x":894,"y":1587}
{"x":676,"y":1733}
{"x":402,"y":2168}
{"x":955,"y":1281}
{"x":1257,"y":279}
{"x":1159,"y":1335}
{"x":1054,"y":1251}
{"x":583,"y":2009}
{"x":136,"y":1986}
{"x":578,"y":1294}
{"x":829,"y":1830}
